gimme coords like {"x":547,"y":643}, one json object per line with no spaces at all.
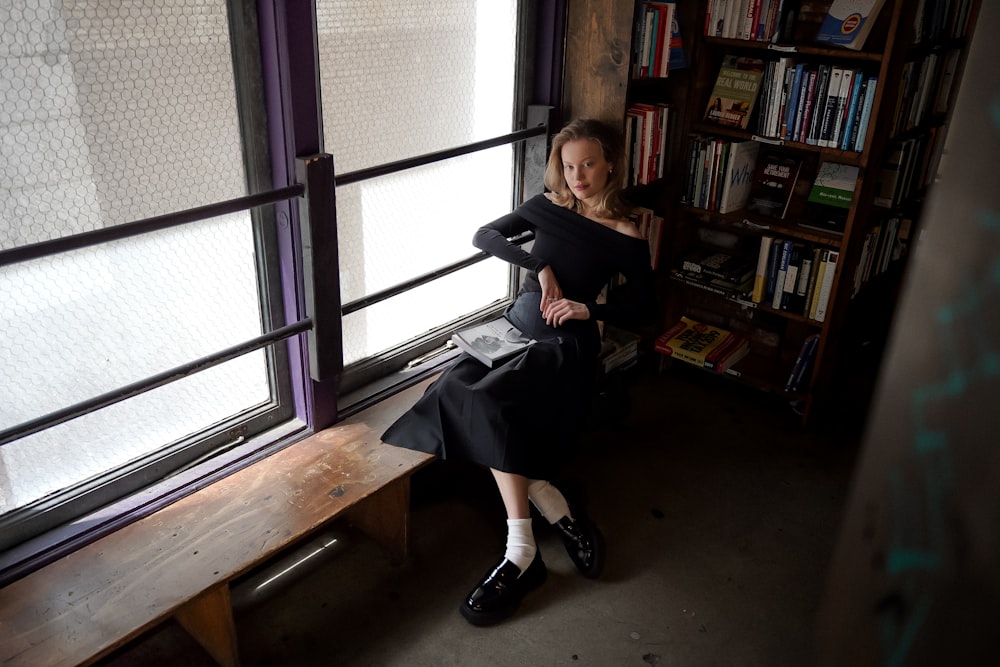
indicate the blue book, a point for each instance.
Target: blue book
{"x":848,"y":22}
{"x":852,"y":107}
{"x":779,"y":282}
{"x":866,"y":113}
{"x":791,"y":106}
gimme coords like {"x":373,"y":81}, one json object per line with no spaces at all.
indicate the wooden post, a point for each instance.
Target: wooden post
{"x":209,"y":619}
{"x":598,"y":50}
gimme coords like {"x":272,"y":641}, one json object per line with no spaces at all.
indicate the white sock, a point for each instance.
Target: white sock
{"x":520,"y":543}
{"x":549,"y":501}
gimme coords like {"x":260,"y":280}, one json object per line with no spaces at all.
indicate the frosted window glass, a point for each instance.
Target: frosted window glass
{"x":109,"y":113}
{"x":400,"y":80}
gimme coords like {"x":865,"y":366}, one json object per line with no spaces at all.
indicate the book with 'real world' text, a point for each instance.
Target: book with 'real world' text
{"x":735,"y":92}
{"x":492,"y":342}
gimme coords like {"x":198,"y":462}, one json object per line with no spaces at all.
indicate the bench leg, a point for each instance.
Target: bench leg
{"x":209,"y":619}
{"x":385,"y":517}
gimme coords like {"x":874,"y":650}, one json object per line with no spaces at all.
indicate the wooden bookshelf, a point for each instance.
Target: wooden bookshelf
{"x":890,"y":46}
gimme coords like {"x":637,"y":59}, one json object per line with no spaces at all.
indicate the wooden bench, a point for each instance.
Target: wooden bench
{"x":179,"y":561}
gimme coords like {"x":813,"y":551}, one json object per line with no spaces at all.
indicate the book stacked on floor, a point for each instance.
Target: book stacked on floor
{"x":702,"y":345}
{"x":620,"y":349}
{"x":794,"y":276}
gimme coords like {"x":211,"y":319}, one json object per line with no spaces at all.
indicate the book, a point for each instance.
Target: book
{"x":691,"y":341}
{"x":773,"y":184}
{"x":740,"y":165}
{"x":826,"y":286}
{"x":848,"y":22}
{"x":830,"y":197}
{"x":803,"y":363}
{"x":492,"y":342}
{"x":735,"y":92}
{"x":733,"y":349}
{"x":760,"y":275}
{"x":620,"y":349}
{"x":785,"y":257}
{"x":718,"y":264}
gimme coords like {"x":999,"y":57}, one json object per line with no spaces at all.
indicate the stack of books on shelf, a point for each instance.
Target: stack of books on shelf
{"x":720,"y":172}
{"x":817,"y":104}
{"x":794,"y":276}
{"x":798,"y":379}
{"x":759,"y":21}
{"x":887,"y":242}
{"x":909,"y":167}
{"x":708,"y":347}
{"x":938,"y":20}
{"x":647,"y":136}
{"x":717,"y":271}
{"x":924,"y":89}
{"x":657,"y":44}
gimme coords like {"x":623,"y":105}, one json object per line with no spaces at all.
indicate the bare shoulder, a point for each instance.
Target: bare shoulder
{"x":626,"y":227}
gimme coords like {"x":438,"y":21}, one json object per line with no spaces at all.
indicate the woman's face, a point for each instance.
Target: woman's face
{"x":584,"y":168}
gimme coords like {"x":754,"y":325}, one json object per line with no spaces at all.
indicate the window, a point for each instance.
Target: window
{"x":111,"y":114}
{"x":405,"y":80}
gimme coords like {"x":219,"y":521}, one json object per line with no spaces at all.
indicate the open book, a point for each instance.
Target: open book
{"x":492,"y":342}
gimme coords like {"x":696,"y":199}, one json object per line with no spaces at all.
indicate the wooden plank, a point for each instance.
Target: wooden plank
{"x":98,"y":598}
{"x":385,"y":518}
{"x":209,"y":619}
{"x":598,"y":50}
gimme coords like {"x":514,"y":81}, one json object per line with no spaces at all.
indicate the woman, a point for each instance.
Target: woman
{"x":518,"y":418}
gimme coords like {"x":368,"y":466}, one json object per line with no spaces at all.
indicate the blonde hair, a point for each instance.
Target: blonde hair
{"x":612,"y":147}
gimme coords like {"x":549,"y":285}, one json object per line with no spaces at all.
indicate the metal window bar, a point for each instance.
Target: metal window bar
{"x":419,"y":161}
{"x":118,"y":232}
{"x":134,"y":389}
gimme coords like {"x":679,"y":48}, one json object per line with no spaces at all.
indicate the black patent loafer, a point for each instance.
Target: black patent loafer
{"x":584,"y":544}
{"x":498,"y":595}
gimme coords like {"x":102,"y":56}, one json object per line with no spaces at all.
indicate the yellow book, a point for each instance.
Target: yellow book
{"x":691,"y":341}
{"x":818,"y":285}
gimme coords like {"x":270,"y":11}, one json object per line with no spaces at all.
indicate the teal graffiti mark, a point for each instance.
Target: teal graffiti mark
{"x":919,"y":537}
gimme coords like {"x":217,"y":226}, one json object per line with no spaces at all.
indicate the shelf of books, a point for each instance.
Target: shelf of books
{"x":809,"y":133}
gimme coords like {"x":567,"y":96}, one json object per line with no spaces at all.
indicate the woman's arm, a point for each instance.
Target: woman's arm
{"x":634,"y":303}
{"x":493,"y":238}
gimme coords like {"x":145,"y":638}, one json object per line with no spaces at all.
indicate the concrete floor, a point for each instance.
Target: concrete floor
{"x":720,"y":515}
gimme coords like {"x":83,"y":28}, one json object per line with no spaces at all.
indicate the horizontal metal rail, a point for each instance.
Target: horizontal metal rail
{"x":152,"y":382}
{"x":430,"y":158}
{"x":126,"y":230}
{"x":390,"y":292}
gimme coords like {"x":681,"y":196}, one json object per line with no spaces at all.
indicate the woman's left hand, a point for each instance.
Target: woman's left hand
{"x":558,"y":311}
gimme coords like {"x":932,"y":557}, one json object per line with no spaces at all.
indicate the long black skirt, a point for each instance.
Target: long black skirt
{"x":519,"y":417}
